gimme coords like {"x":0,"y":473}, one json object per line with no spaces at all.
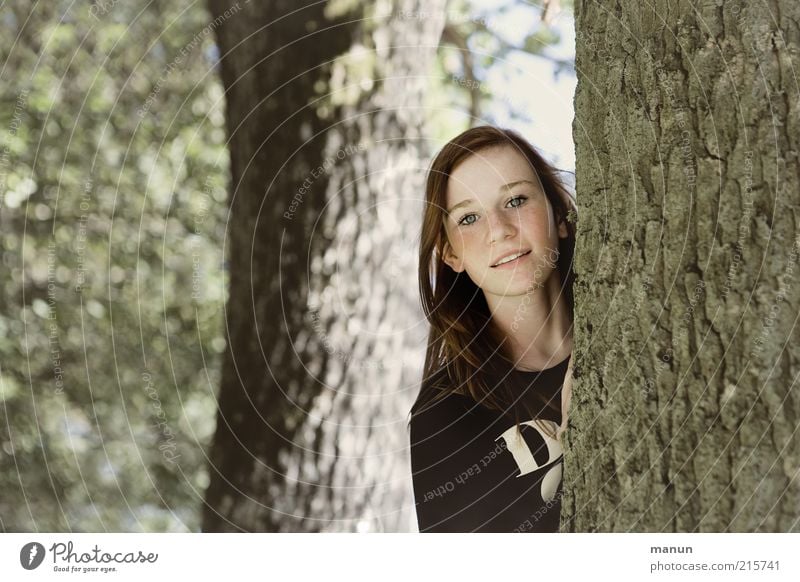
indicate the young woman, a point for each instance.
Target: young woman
{"x":495,"y":276}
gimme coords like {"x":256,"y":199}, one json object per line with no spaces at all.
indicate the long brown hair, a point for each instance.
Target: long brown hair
{"x":465,"y":347}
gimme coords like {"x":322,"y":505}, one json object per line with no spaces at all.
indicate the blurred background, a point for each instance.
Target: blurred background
{"x":115,"y":186}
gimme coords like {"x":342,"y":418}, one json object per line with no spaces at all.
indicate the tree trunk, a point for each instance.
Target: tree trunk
{"x":325,"y":334}
{"x":684,"y":417}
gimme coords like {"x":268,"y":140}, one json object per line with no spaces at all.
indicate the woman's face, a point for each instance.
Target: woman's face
{"x":497,"y":208}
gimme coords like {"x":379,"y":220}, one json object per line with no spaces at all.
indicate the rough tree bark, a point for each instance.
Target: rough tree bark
{"x":325,"y":335}
{"x":685,"y":411}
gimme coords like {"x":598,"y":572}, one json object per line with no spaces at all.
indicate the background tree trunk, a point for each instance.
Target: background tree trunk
{"x":685,"y":409}
{"x":325,"y":335}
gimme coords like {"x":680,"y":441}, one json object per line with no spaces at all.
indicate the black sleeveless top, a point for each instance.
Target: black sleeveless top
{"x":470,"y":471}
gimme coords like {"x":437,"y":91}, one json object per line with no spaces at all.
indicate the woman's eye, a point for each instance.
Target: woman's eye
{"x":465,"y":222}
{"x":519,"y":200}
{"x":515,"y":202}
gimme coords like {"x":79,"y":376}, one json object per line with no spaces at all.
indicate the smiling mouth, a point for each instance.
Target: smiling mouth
{"x":510,"y":260}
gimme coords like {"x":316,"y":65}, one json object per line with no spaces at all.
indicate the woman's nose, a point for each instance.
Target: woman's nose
{"x":501,"y":226}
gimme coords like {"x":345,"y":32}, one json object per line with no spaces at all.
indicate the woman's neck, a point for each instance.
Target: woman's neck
{"x":537,"y":324}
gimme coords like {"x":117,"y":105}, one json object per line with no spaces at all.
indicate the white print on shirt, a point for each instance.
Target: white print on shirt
{"x":524,"y":457}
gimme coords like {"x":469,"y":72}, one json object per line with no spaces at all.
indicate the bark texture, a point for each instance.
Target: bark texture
{"x":685,"y":408}
{"x":325,"y":333}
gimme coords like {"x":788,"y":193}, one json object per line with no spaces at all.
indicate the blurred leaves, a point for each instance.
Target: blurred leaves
{"x":479,"y":37}
{"x":112,"y":262}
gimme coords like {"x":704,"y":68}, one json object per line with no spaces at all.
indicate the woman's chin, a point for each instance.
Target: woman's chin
{"x":513,"y":288}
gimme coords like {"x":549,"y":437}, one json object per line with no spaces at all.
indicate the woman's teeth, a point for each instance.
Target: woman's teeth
{"x":511,"y":258}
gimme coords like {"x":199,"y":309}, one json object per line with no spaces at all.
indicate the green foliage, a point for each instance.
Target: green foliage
{"x":113,"y":171}
{"x":482,"y":36}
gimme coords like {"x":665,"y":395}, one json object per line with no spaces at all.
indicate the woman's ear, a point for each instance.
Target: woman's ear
{"x":451,"y":259}
{"x":562,"y":229}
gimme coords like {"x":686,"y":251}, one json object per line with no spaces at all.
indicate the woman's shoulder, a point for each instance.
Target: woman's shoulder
{"x":440,"y":395}
{"x":440,"y":380}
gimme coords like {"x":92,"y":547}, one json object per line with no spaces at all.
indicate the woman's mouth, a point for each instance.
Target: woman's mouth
{"x":511,"y":260}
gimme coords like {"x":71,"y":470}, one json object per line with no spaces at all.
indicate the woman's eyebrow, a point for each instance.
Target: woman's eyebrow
{"x":517,"y":183}
{"x":460,"y":204}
